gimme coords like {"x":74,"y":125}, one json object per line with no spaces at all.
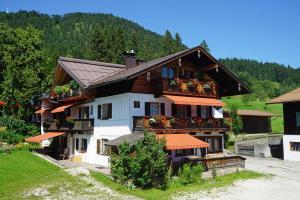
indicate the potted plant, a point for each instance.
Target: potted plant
{"x":191,"y":86}
{"x":69,"y":122}
{"x":152,"y":122}
{"x":207,"y":88}
{"x":74,"y":87}
{"x":172,"y":121}
{"x":61,"y":90}
{"x":173,"y":85}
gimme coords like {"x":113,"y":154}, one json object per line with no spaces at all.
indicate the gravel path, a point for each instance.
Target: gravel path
{"x":86,"y":188}
{"x":284,"y":185}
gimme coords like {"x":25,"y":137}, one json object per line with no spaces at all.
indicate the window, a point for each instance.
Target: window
{"x":136,"y":104}
{"x":77,"y":144}
{"x":83,"y":144}
{"x":167,"y":72}
{"x":101,"y":148}
{"x":184,"y":152}
{"x":92,"y":110}
{"x":298,"y":119}
{"x":99,"y":112}
{"x":295,"y":146}
{"x":182,"y":110}
{"x":106,"y":111}
{"x":154,"y":108}
{"x":84,"y":112}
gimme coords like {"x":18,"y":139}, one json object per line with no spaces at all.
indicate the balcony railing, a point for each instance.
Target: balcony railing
{"x":78,"y":125}
{"x":188,"y":87}
{"x":163,"y":123}
{"x":71,"y":93}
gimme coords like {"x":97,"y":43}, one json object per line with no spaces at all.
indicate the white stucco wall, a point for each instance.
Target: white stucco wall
{"x":120,"y":124}
{"x":288,"y":154}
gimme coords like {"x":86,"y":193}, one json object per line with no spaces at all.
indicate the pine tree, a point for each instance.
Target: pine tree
{"x":178,"y":46}
{"x":167,"y":44}
{"x":133,"y":42}
{"x":204,"y":46}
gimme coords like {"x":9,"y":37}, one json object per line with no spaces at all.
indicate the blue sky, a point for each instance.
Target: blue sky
{"x":265,"y":30}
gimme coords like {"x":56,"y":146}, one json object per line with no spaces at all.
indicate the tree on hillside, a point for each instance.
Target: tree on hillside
{"x":22,"y":61}
{"x":204,"y":45}
{"x":167,"y":44}
{"x":178,"y":46}
{"x":133,"y":43}
{"x":98,"y":45}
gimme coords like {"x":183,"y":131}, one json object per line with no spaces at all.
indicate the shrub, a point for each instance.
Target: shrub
{"x":16,"y":129}
{"x":190,"y":174}
{"x":143,"y":165}
{"x":26,"y":146}
{"x":11,"y":137}
{"x":235,"y":123}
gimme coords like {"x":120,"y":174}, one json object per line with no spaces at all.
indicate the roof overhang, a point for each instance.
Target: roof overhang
{"x":63,"y":107}
{"x":46,"y":136}
{"x":181,"y":141}
{"x":183,"y":100}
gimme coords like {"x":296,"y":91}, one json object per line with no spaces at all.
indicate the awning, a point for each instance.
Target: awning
{"x":46,"y":136}
{"x":42,"y":110}
{"x":62,"y":108}
{"x":184,"y":100}
{"x":181,"y":141}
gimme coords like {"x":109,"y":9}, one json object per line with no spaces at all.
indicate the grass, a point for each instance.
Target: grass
{"x":22,"y":170}
{"x":276,"y":122}
{"x":175,"y":187}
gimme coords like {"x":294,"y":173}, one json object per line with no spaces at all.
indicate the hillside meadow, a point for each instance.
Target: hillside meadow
{"x":276,"y":122}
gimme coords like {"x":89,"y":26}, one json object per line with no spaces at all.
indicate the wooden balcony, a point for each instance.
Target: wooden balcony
{"x":186,"y":87}
{"x":78,"y":125}
{"x":163,"y":124}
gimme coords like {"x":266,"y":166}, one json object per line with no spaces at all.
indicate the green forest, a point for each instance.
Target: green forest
{"x":31,"y":42}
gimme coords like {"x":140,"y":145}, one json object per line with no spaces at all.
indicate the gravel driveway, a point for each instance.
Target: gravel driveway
{"x":285,"y":185}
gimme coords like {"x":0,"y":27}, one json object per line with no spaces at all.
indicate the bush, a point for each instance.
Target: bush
{"x":143,"y":165}
{"x":11,"y":137}
{"x":16,"y":130}
{"x":26,"y":146}
{"x":235,"y":123}
{"x":190,"y":174}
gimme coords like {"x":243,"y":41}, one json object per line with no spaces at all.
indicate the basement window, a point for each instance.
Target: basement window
{"x":295,"y":146}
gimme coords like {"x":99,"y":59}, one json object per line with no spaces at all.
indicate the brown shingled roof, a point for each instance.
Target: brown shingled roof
{"x":255,"y":113}
{"x":124,"y":74}
{"x":93,"y":74}
{"x":291,"y":96}
{"x":85,"y":71}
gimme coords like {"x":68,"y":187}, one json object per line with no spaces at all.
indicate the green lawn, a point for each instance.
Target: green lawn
{"x":176,"y":188}
{"x":276,"y":122}
{"x":22,"y":170}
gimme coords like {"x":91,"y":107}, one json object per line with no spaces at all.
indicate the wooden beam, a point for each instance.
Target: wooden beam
{"x":207,"y":68}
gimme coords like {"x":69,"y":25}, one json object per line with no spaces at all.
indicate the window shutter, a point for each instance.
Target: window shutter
{"x":99,"y":111}
{"x":147,"y":108}
{"x":162,"y":109}
{"x":199,"y":111}
{"x":174,"y":110}
{"x":210,"y":111}
{"x":109,"y":114}
{"x":79,"y":113}
{"x":189,"y":110}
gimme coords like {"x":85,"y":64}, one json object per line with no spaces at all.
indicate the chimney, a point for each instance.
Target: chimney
{"x":130,"y":59}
